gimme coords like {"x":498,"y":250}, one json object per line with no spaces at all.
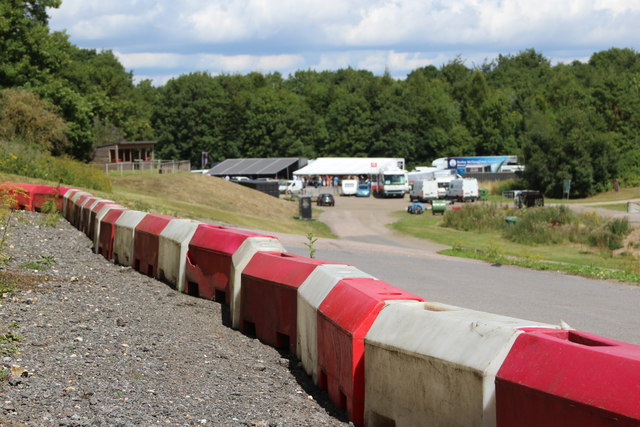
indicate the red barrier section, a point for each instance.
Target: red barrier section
{"x":107,"y":231}
{"x":19,"y":194}
{"x":146,"y":243}
{"x":344,"y":317}
{"x":92,"y":216}
{"x":209,"y":260}
{"x":569,"y":378}
{"x":85,"y":210}
{"x":41,"y":194}
{"x":269,"y":296}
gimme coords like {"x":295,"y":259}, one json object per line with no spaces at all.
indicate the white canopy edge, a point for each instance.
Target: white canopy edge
{"x":349,"y":166}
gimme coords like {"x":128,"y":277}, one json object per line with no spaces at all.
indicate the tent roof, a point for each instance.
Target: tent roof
{"x":349,"y":165}
{"x":269,"y":166}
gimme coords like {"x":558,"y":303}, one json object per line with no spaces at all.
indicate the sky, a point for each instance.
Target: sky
{"x":162,"y":39}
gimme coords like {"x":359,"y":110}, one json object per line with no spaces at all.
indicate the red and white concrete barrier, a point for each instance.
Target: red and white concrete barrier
{"x":310,"y":295}
{"x":569,"y":378}
{"x":172,"y":251}
{"x":269,"y":296}
{"x":435,"y":364}
{"x":124,"y":231}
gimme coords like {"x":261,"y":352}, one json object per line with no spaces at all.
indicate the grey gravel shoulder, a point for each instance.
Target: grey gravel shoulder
{"x":105,"y":345}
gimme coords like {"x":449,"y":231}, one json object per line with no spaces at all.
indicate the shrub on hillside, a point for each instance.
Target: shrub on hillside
{"x":541,"y":226}
{"x":611,"y":235}
{"x":477,"y":217}
{"x":19,"y":159}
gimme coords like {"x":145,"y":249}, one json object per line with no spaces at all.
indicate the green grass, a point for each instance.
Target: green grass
{"x":615,"y":207}
{"x":626,"y":193}
{"x":580,"y":259}
{"x":23,"y":160}
{"x":574,"y":269}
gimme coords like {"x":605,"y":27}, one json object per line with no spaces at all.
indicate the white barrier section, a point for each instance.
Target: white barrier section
{"x":74,"y":204}
{"x":123,"y":237}
{"x":435,"y":364}
{"x":310,"y":295}
{"x":99,"y":216}
{"x":172,"y":251}
{"x":239,"y":261}
{"x":85,"y":204}
{"x":68,"y":195}
{"x":87,"y":220}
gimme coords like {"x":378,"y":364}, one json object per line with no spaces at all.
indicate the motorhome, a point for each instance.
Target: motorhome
{"x":463,"y":190}
{"x":424,"y":190}
{"x":389,"y":183}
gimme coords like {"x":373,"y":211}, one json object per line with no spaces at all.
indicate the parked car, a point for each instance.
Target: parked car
{"x":364,"y":190}
{"x":326,"y":199}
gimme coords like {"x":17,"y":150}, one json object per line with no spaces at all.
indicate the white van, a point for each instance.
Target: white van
{"x":349,"y":187}
{"x":290,"y":186}
{"x":424,"y":190}
{"x":463,"y":189}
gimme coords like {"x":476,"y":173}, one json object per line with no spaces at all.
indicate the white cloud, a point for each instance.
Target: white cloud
{"x":285,"y":35}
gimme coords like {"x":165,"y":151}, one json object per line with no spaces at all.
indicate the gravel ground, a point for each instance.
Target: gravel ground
{"x":104,"y":345}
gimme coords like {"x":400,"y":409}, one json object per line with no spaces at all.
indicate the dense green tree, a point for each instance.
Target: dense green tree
{"x":27,"y":118}
{"x":189,"y":118}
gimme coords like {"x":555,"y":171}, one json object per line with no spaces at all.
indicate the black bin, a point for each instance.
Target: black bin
{"x":305,"y":207}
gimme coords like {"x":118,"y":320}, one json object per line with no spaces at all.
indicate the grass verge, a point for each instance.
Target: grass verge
{"x":492,"y":246}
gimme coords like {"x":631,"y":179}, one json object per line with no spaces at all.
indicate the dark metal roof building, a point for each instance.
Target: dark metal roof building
{"x":281,"y":168}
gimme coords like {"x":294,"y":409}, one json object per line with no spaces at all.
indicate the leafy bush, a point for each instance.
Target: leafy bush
{"x":611,"y":235}
{"x":548,"y":226}
{"x":20,"y":159}
{"x":477,"y":217}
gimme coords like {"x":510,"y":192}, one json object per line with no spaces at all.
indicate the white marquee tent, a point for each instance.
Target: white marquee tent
{"x":339,"y":166}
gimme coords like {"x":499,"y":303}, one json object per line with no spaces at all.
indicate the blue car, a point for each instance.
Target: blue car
{"x":364,"y":190}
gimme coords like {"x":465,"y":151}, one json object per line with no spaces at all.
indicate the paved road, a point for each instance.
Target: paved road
{"x":605,"y":308}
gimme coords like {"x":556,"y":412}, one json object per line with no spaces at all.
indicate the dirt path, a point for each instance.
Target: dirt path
{"x":361,"y":224}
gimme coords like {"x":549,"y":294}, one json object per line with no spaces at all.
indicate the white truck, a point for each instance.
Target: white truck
{"x":424,"y":190}
{"x":463,"y":190}
{"x":349,"y":187}
{"x":389,"y":183}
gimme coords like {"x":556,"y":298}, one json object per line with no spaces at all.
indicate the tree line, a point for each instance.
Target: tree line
{"x":575,"y":121}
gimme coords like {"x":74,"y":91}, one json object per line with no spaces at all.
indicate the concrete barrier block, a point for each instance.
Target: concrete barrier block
{"x":269,"y":296}
{"x":93,"y":217}
{"x":146,"y":243}
{"x":239,"y":261}
{"x":435,"y":364}
{"x":310,"y":295}
{"x":569,"y":378}
{"x":66,"y":202}
{"x":19,"y":196}
{"x":100,"y":214}
{"x":106,"y":230}
{"x":172,"y":251}
{"x":124,"y":231}
{"x":208,"y":266}
{"x":42,"y":194}
{"x":73,"y":206}
{"x":85,"y":208}
{"x":344,"y":318}
{"x":76,"y":209}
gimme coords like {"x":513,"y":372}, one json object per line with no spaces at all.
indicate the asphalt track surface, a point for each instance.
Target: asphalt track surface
{"x":606,"y":308}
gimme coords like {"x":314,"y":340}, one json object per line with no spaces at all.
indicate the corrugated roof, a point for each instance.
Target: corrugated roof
{"x":252,"y":166}
{"x":128,"y":143}
{"x":349,"y":166}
